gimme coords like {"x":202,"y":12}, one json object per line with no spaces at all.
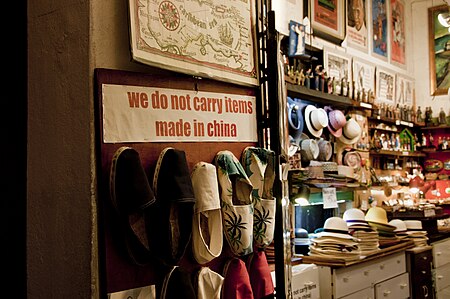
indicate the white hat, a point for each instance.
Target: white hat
{"x":309,"y":149}
{"x":400,"y":224}
{"x":355,"y":216}
{"x":351,"y":132}
{"x":316,"y":119}
{"x":335,"y":227}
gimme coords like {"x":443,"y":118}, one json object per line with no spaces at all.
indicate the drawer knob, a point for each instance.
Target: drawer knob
{"x":440,"y":276}
{"x":438,"y":253}
{"x":309,"y":283}
{"x":382,"y":266}
{"x":403,"y":285}
{"x":386,"y":293}
{"x":424,"y":258}
{"x":424,"y":272}
{"x":366,"y":273}
{"x":346,"y":279}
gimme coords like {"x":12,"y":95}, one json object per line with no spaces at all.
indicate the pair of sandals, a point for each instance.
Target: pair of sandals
{"x":157,"y":221}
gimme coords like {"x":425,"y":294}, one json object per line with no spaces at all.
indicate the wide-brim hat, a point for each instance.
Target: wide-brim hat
{"x":355,"y":216}
{"x":335,"y":227}
{"x":351,"y":132}
{"x":336,"y":121}
{"x":309,"y":148}
{"x":295,"y":119}
{"x":316,"y":119}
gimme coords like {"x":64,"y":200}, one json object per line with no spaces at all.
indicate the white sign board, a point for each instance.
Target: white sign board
{"x":153,"y":114}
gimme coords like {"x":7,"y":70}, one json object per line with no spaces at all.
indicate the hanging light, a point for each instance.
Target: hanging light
{"x":302,"y":197}
{"x":444,"y":19}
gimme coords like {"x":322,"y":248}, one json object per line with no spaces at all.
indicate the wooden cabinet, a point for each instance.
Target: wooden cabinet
{"x":441,"y":264}
{"x":385,"y":277}
{"x":419,"y":263}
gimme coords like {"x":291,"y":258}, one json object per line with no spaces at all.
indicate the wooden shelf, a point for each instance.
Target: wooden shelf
{"x":397,"y":153}
{"x":317,"y":96}
{"x":436,"y":128}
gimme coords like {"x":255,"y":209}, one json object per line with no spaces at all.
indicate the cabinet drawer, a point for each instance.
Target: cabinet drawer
{"x":442,"y":277}
{"x":441,"y":253}
{"x":358,"y":277}
{"x":363,"y":294}
{"x":422,"y":261}
{"x":397,"y":287}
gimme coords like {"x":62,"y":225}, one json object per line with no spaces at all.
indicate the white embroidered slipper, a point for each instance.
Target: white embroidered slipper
{"x":259,"y":165}
{"x":236,"y":203}
{"x":207,"y":232}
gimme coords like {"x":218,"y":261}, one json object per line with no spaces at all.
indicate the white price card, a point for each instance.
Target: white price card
{"x":329,"y":198}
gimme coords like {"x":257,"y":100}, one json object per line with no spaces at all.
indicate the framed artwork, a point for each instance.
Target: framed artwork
{"x":404,"y":90}
{"x":357,"y":31}
{"x":379,"y":29}
{"x":398,"y":43}
{"x":337,"y":65}
{"x":194,"y":38}
{"x":385,"y":86}
{"x":439,"y":49}
{"x":296,"y":39}
{"x":327,"y":19}
{"x":363,"y":75}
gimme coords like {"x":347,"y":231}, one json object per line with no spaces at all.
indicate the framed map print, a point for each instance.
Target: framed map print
{"x":379,"y":29}
{"x":196,"y":37}
{"x":404,"y":90}
{"x":357,"y":29}
{"x":439,"y":49}
{"x":327,"y":19}
{"x":385,"y":84}
{"x":398,"y":43}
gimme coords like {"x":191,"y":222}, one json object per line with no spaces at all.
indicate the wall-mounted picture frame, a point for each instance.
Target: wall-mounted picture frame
{"x":439,"y":52}
{"x":398,"y":37}
{"x":357,"y":25}
{"x":404,"y":91}
{"x":380,"y":29}
{"x":363,"y":74}
{"x":337,"y":65}
{"x":385,"y":86}
{"x":328,"y":19}
{"x":165,"y":34}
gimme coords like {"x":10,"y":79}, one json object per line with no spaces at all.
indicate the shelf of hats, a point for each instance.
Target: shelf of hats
{"x":356,"y":157}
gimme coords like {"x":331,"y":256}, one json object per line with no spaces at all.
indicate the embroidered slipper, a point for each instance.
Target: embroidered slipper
{"x":177,"y":284}
{"x":174,"y":206}
{"x":236,"y":284}
{"x":236,"y":203}
{"x":260,"y":277}
{"x":259,"y":165}
{"x":132,"y":197}
{"x":207,"y":232}
{"x":209,"y":284}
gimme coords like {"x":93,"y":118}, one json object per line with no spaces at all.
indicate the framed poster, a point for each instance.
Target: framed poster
{"x":404,"y":91}
{"x":327,"y":19}
{"x":357,"y":33}
{"x":385,"y":86}
{"x":363,"y":75}
{"x":398,"y":43}
{"x":379,"y":29}
{"x":439,"y":49}
{"x":196,"y":38}
{"x":337,"y":65}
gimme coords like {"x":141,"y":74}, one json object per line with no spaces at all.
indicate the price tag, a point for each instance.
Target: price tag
{"x":405,"y":153}
{"x":365,"y":105}
{"x":329,"y":198}
{"x":429,"y":212}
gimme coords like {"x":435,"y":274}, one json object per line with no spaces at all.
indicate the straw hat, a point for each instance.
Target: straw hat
{"x":316,"y":119}
{"x":336,"y":120}
{"x":351,"y":132}
{"x":335,"y":227}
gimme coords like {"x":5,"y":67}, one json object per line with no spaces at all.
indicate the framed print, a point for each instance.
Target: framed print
{"x":337,"y":65}
{"x":363,"y":75}
{"x":379,"y":29}
{"x":296,"y":39}
{"x":196,"y":38}
{"x":357,"y":33}
{"x":398,"y":43}
{"x":385,"y":86}
{"x":439,"y":49}
{"x":404,"y":91}
{"x":327,"y":19}
{"x":285,"y":11}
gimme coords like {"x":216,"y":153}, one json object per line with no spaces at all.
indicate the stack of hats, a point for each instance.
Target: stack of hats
{"x":400,"y":231}
{"x":377,"y":218}
{"x":416,"y":233}
{"x":359,"y":228}
{"x":333,"y":241}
